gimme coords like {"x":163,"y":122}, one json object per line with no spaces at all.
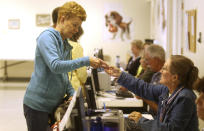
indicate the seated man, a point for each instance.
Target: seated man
{"x":154,"y":55}
{"x":155,"y":58}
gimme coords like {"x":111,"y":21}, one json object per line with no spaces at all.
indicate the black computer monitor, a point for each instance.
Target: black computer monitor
{"x":99,"y":53}
{"x":94,"y":80}
{"x":80,"y":121}
{"x":90,"y":96}
{"x":92,"y":88}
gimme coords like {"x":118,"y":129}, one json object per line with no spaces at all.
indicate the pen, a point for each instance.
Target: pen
{"x":104,"y":106}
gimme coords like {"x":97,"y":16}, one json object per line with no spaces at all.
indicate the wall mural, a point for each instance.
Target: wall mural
{"x":114,"y":22}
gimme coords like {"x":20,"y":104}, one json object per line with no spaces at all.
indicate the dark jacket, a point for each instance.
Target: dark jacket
{"x":133,"y":66}
{"x":147,"y":75}
{"x":181,"y":114}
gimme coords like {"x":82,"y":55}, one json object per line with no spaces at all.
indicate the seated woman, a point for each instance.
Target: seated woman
{"x":174,"y":96}
{"x":134,"y":61}
{"x":132,"y":66}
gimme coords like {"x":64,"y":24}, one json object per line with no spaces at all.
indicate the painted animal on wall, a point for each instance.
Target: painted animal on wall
{"x":114,"y":22}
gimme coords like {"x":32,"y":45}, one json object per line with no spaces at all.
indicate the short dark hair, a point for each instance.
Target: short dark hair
{"x":55,"y":15}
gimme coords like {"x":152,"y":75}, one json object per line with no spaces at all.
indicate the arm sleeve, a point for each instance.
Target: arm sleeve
{"x":141,"y":88}
{"x":49,"y":49}
{"x":70,"y":90}
{"x":147,"y":76}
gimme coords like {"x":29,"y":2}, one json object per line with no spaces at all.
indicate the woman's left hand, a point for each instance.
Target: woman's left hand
{"x":113,"y":71}
{"x":67,"y":101}
{"x":103,"y":64}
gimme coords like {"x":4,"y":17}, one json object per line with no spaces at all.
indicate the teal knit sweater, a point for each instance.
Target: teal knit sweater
{"x":49,"y":82}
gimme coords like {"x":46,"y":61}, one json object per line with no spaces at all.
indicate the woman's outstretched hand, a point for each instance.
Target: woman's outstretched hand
{"x":103,"y":64}
{"x":96,"y":63}
{"x":113,"y":71}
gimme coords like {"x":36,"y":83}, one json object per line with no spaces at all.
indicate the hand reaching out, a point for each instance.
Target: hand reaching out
{"x":96,"y":63}
{"x":103,"y":64}
{"x":113,"y":71}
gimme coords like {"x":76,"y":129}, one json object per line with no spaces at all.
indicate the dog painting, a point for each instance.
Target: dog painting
{"x":114,"y":23}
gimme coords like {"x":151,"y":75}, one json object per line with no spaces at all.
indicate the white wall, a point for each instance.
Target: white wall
{"x":158,"y":33}
{"x":20,"y":44}
{"x":176,"y":35}
{"x":23,"y":42}
{"x":198,"y":56}
{"x":1,"y":69}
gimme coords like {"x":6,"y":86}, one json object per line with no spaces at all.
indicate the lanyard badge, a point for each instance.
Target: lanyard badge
{"x":166,"y":104}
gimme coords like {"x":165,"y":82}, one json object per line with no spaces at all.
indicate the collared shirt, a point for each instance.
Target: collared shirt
{"x":165,"y":106}
{"x":156,"y":78}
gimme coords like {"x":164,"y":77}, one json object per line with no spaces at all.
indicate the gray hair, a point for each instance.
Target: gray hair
{"x":156,"y":51}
